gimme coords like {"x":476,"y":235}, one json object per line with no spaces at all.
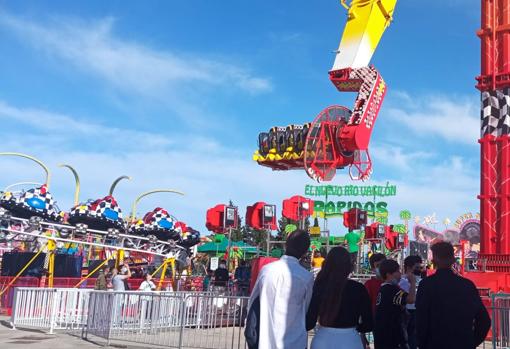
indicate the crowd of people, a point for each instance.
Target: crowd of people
{"x":116,"y":279}
{"x":400,"y":307}
{"x":219,"y":280}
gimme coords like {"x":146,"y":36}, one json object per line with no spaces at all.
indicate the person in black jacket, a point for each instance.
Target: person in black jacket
{"x":341,"y":305}
{"x":449,"y":311}
{"x":390,"y":329}
{"x":221,"y":275}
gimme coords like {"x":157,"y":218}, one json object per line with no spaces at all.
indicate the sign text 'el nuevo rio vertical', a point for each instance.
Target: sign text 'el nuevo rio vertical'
{"x":377,"y":209}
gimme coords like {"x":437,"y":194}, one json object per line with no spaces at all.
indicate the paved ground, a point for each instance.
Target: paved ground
{"x":36,"y":339}
{"x":194,"y":338}
{"x":22,"y":337}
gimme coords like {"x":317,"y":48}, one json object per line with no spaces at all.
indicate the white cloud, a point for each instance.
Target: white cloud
{"x":132,"y":73}
{"x":452,"y":119}
{"x":128,"y":65}
{"x":398,"y":158}
{"x":59,"y":128}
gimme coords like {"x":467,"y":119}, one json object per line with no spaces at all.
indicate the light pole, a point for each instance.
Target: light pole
{"x":229,"y":222}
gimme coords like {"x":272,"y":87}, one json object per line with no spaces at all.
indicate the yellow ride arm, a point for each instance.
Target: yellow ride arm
{"x":366,"y":23}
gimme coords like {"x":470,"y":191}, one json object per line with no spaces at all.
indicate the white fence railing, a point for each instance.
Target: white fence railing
{"x":50,"y":309}
{"x":68,"y":308}
{"x":168,"y":319}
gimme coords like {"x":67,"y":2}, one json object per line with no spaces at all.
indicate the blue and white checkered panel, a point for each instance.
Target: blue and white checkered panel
{"x":159,"y":219}
{"x":109,"y":209}
{"x":495,"y":113}
{"x":39,"y":200}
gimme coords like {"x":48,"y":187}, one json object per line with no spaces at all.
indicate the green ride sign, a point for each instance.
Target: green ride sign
{"x":351,"y":190}
{"x":377,"y":210}
{"x":330,"y":209}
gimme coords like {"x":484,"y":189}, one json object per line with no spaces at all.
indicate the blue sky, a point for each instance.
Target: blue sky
{"x":174,"y":94}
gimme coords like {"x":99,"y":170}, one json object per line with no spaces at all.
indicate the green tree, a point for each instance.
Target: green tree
{"x":238,"y":233}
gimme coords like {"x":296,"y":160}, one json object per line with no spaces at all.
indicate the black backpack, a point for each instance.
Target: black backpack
{"x":252,"y":328}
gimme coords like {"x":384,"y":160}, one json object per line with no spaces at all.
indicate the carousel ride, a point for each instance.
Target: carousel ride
{"x":31,"y":218}
{"x":338,"y":137}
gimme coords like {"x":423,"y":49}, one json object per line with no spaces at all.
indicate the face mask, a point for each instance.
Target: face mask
{"x":394,"y":282}
{"x":417,"y":272}
{"x":123,"y":270}
{"x":377,"y":272}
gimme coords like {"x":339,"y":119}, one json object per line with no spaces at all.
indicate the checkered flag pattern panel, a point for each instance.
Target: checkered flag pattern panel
{"x":157,"y":222}
{"x":190,"y":237}
{"x":42,"y":194}
{"x":81,"y":209}
{"x":154,"y":218}
{"x":108,"y":203}
{"x":495,"y":112}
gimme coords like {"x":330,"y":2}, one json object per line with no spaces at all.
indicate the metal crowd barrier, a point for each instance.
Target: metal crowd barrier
{"x":53,"y":309}
{"x":176,"y":320}
{"x":50,"y":308}
{"x":500,"y":320}
{"x":170,"y":319}
{"x":221,"y":322}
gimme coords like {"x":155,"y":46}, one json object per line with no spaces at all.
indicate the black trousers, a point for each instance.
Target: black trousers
{"x":411,"y":329}
{"x":354,"y":257}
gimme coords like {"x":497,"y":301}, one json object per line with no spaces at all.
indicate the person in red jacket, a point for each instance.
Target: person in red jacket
{"x":374,"y":284}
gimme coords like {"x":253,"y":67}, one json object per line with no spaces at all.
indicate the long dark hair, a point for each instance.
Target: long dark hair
{"x":331,"y":280}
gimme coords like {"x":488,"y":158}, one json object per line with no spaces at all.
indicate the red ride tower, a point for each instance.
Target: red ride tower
{"x":494,"y":85}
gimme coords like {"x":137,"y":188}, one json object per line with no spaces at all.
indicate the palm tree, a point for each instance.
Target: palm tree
{"x":400,"y":228}
{"x":405,"y":215}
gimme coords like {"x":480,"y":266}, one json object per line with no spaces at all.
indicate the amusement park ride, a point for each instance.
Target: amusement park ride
{"x":32,"y":218}
{"x":338,"y":137}
{"x":494,"y":85}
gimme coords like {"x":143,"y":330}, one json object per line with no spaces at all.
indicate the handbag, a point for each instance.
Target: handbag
{"x":252,"y":328}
